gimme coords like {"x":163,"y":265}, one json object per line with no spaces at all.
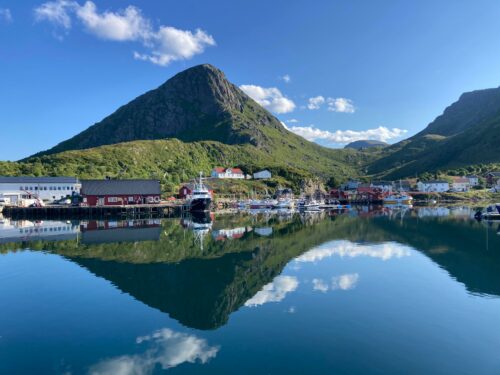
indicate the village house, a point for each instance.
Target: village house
{"x":461,"y":184}
{"x":352,"y":185}
{"x":435,"y":186}
{"x":492,"y":178}
{"x":120,"y":192}
{"x":235,"y":173}
{"x":473,"y":180}
{"x":48,"y":189}
{"x":384,"y":186}
{"x":262,"y":175}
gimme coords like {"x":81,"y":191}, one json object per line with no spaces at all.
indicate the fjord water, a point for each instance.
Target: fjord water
{"x":366,"y":291}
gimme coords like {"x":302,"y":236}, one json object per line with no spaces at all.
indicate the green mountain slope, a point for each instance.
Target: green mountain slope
{"x":193,"y":122}
{"x":468,"y":132}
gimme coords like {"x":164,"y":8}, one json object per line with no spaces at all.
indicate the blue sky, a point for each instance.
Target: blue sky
{"x":357,"y":69}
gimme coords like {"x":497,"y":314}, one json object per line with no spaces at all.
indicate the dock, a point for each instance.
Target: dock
{"x":92,"y":212}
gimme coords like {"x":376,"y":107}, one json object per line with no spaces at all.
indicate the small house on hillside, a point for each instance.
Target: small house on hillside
{"x":434,"y":186}
{"x":473,"y":180}
{"x":120,"y":192}
{"x":352,"y":185}
{"x":262,"y":175}
{"x":235,"y":173}
{"x":492,"y":178}
{"x":402,"y":185}
{"x":460,"y":184}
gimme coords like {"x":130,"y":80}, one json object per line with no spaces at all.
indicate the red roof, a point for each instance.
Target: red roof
{"x":219,"y":169}
{"x":236,"y":170}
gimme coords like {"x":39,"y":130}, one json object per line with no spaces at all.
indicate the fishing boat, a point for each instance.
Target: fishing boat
{"x":492,"y":213}
{"x":398,"y":199}
{"x":262,"y":204}
{"x":200,"y":198}
{"x":309,"y":205}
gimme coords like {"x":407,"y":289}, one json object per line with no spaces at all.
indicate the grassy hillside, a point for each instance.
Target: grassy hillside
{"x":172,"y":161}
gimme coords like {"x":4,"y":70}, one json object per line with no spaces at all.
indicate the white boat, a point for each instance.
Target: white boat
{"x":398,"y":199}
{"x":260,"y":204}
{"x":309,"y":205}
{"x":200,"y":198}
{"x":492,"y":213}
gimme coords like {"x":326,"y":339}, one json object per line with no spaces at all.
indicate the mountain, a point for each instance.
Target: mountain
{"x":194,"y":121}
{"x":467,"y":133}
{"x":367,"y":143}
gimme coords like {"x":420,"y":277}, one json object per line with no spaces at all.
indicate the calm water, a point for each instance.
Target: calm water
{"x":363,"y":292}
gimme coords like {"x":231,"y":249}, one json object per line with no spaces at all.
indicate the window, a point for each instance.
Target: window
{"x":58,"y":188}
{"x":112,"y":199}
{"x":130,"y":199}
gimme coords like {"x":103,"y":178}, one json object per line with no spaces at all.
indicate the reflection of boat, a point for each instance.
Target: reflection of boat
{"x":259,"y":204}
{"x":398,"y":199}
{"x":200,"y":223}
{"x":284,"y":203}
{"x":492,"y":213}
{"x":309,"y":205}
{"x":200,"y":198}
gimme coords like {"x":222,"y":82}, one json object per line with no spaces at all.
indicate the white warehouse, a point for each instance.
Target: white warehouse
{"x":47,"y":189}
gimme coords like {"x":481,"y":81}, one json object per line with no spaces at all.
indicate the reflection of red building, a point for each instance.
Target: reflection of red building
{"x":120,"y":192}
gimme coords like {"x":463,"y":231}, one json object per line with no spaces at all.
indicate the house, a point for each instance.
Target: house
{"x":460,"y":184}
{"x":120,"y":192}
{"x":434,"y":186}
{"x":47,"y":189}
{"x":473,"y":180}
{"x":384,"y":186}
{"x":352,"y":185}
{"x":184,"y":191}
{"x":262,"y":175}
{"x":492,"y":178}
{"x":227,"y":173}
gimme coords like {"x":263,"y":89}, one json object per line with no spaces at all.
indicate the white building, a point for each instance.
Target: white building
{"x":460,"y":184}
{"x":47,"y":189}
{"x":436,"y":186}
{"x":473,"y":180}
{"x":262,"y":175}
{"x":227,"y":173}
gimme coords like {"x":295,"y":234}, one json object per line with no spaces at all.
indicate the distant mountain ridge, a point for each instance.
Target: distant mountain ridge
{"x":468,"y":132}
{"x":366,"y":143}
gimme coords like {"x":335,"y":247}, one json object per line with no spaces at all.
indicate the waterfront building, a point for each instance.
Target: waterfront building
{"x":492,"y":178}
{"x":461,"y":184}
{"x":235,"y":173}
{"x":434,"y":186}
{"x":384,"y":186}
{"x":48,"y":189}
{"x":120,"y":192}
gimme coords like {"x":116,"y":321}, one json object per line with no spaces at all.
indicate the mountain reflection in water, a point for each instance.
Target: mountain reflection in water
{"x":201,"y":269}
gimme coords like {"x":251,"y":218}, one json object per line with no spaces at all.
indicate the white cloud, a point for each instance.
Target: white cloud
{"x":162,"y":45}
{"x":345,"y":282}
{"x":320,"y":285}
{"x":381,"y":133}
{"x":270,"y":98}
{"x":286,"y":78}
{"x":292,"y":121}
{"x":342,"y":105}
{"x":166,"y":349}
{"x":384,"y":251}
{"x":316,"y":102}
{"x":5,"y":15}
{"x":275,"y":291}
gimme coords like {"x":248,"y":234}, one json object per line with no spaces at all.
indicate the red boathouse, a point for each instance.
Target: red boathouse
{"x":120,"y":192}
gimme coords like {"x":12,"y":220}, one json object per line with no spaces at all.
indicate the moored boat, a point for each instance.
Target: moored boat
{"x":200,"y":198}
{"x":398,"y":199}
{"x":492,"y":213}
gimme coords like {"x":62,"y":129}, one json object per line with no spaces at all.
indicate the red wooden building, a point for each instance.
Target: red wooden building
{"x":120,"y":192}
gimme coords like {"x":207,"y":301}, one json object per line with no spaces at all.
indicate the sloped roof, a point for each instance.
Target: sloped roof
{"x":434,"y":182}
{"x":38,"y":180}
{"x":120,"y":187}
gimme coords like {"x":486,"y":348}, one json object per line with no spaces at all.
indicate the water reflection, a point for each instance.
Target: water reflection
{"x":164,"y":348}
{"x":206,"y":268}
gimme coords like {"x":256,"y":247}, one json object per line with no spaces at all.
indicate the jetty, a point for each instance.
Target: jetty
{"x":92,"y":212}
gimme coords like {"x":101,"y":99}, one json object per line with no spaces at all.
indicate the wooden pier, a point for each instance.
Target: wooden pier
{"x":94,"y":212}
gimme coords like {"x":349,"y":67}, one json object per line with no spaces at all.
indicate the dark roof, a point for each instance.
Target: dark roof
{"x":38,"y":180}
{"x":494,"y":174}
{"x":435,"y":182}
{"x":382,"y":183}
{"x":120,"y":187}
